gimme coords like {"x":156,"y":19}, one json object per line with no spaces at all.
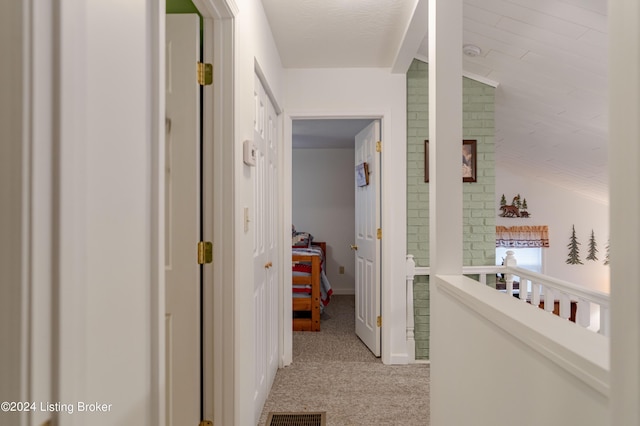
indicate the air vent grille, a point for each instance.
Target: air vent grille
{"x":296,"y":419}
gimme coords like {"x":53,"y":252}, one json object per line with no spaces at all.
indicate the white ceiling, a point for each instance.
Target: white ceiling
{"x":548,"y":57}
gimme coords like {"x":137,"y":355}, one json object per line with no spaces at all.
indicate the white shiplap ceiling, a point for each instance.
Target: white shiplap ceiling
{"x":548,"y":57}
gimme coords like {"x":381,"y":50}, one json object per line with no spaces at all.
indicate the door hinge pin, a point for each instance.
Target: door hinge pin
{"x":379,"y":233}
{"x":378,"y":146}
{"x":205,"y":74}
{"x":205,"y":252}
{"x":379,"y":321}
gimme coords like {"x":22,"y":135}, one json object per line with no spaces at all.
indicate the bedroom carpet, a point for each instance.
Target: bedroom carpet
{"x":333,"y":371}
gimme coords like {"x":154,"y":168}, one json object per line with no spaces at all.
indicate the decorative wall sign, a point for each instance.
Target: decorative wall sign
{"x":362,"y":174}
{"x":469,"y":160}
{"x":518,"y":207}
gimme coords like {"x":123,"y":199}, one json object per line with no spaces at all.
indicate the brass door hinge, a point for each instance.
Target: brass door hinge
{"x":205,"y":252}
{"x":205,"y":74}
{"x":379,"y":321}
{"x":379,"y":233}
{"x":378,"y":146}
{"x":206,"y":423}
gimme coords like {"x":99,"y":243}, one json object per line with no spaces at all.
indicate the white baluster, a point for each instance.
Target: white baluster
{"x":549,"y":300}
{"x":583,"y":313}
{"x":524,"y":289}
{"x":565,"y":306}
{"x":535,"y":294}
{"x":411,"y":342}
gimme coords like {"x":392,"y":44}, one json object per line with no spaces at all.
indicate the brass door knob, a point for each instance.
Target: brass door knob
{"x":354,"y":247}
{"x":268,"y":265}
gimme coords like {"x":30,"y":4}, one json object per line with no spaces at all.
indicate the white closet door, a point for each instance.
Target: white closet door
{"x":265,"y":245}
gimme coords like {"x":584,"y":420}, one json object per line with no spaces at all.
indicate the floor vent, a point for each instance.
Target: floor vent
{"x":296,"y":419}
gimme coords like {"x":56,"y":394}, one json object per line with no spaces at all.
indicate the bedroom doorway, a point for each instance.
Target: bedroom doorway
{"x":324,"y":198}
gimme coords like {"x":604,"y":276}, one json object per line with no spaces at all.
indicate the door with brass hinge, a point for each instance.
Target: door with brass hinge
{"x":182,"y":221}
{"x":367,"y":238}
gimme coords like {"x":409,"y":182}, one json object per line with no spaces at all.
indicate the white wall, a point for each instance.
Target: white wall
{"x":324,"y":205}
{"x":367,"y":93}
{"x":14,"y":193}
{"x":254,"y":44}
{"x":502,"y":362}
{"x":560,"y":209}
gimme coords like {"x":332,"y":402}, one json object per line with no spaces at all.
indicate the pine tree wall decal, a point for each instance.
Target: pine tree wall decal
{"x":574,"y":251}
{"x":593,"y":247}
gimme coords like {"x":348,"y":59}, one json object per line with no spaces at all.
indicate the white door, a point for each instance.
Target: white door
{"x":265,"y":245}
{"x":367,"y":244}
{"x":182,"y":220}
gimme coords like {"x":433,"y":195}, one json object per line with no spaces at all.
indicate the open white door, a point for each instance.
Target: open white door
{"x":367,"y":243}
{"x":182,"y":220}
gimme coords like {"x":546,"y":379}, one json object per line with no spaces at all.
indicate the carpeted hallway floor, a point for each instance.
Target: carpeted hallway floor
{"x":334,"y":371}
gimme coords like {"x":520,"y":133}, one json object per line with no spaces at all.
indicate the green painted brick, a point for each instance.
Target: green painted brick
{"x":479,"y":198}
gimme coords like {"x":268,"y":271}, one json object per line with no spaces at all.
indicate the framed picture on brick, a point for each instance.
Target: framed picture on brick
{"x":469,"y":160}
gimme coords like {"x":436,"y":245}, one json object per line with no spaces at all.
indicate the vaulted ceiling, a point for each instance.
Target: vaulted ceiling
{"x":548,"y":59}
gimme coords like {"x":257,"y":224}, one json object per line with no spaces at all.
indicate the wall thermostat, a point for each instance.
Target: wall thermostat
{"x":249,"y":153}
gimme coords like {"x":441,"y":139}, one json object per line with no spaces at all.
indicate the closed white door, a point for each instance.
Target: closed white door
{"x":182,"y":220}
{"x":367,"y":244}
{"x":265,"y":245}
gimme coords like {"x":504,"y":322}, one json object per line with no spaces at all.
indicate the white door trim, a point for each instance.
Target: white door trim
{"x":218,"y":23}
{"x":218,"y":195}
{"x":393,"y":287}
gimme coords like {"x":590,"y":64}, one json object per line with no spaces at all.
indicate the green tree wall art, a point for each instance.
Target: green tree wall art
{"x":574,"y":250}
{"x":593,"y":247}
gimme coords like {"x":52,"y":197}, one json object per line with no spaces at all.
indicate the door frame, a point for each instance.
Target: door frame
{"x":393,"y":307}
{"x":217,"y":198}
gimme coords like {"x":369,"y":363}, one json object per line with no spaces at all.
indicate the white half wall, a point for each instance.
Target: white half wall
{"x":560,"y":209}
{"x":324,"y":205}
{"x":509,"y":363}
{"x":366,"y":93}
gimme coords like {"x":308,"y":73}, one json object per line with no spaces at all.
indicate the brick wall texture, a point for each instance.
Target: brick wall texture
{"x":479,"y":214}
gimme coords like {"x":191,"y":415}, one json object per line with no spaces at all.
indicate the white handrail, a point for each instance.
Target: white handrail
{"x":542,"y":286}
{"x":545,"y":287}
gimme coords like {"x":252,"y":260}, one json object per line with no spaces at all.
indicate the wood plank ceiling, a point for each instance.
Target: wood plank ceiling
{"x":548,"y":57}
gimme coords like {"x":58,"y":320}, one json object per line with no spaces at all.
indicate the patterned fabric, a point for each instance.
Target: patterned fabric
{"x":300,"y":239}
{"x":522,"y":236}
{"x":302,"y":268}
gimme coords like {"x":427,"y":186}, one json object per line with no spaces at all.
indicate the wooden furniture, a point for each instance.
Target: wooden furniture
{"x":322,"y":246}
{"x":306,"y":310}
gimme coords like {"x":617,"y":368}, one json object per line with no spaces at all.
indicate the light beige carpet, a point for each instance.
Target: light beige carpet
{"x":334,"y":371}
